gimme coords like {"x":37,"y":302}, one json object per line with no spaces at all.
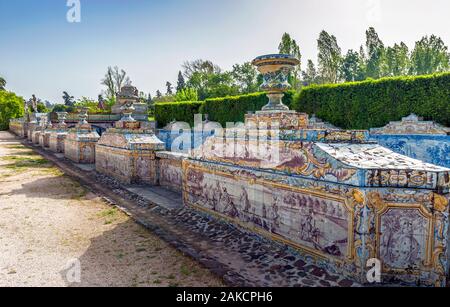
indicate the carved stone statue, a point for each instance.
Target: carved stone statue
{"x":34,"y":103}
{"x":101,"y":103}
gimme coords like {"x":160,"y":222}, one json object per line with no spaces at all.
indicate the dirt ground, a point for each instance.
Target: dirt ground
{"x":53,"y":232}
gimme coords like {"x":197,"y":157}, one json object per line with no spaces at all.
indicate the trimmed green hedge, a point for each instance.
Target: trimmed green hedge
{"x":233,"y":108}
{"x":373,"y":103}
{"x":222,"y":110}
{"x":184,"y":111}
{"x":354,"y":105}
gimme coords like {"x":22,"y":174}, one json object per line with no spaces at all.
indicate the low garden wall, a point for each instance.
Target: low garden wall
{"x":433,"y":149}
{"x":170,"y":170}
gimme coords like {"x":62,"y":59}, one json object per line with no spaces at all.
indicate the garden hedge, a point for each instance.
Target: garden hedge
{"x":11,"y":106}
{"x":233,"y":108}
{"x":373,"y":103}
{"x":222,"y":110}
{"x":184,"y":111}
{"x":354,"y":105}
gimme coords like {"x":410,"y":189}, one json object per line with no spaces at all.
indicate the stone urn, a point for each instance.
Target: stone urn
{"x":275,"y":69}
{"x":62,"y":119}
{"x":127,"y":110}
{"x":83,"y":116}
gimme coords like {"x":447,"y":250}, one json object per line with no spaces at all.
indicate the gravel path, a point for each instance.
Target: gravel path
{"x":239,"y":257}
{"x":50,"y":225}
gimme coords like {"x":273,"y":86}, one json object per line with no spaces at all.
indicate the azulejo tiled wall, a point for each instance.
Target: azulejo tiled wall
{"x":56,"y":140}
{"x":80,"y":145}
{"x":128,"y":155}
{"x":340,"y":224}
{"x":429,"y":148}
{"x":333,"y":195}
{"x":415,"y":138}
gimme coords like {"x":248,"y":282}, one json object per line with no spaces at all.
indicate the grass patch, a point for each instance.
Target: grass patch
{"x":184,"y":270}
{"x":52,"y":171}
{"x":110,"y":215}
{"x":81,"y":193}
{"x":15,"y":146}
{"x":21,"y":163}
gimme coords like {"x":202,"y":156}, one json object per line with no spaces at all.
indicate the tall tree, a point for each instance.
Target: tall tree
{"x":200,"y":66}
{"x":290,"y":46}
{"x":208,"y":79}
{"x":210,"y":85}
{"x":352,"y":68}
{"x":375,"y":53}
{"x":181,"y":83}
{"x":2,"y":84}
{"x":246,"y":76}
{"x":188,"y":94}
{"x":310,"y":74}
{"x":396,"y":61}
{"x":114,"y":80}
{"x":329,"y":57}
{"x":430,"y":55}
{"x":169,"y":91}
{"x":158,"y":94}
{"x":68,"y":100}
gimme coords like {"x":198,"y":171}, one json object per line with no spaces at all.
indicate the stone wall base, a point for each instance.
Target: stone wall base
{"x":80,"y":152}
{"x":127,"y":166}
{"x":56,"y":142}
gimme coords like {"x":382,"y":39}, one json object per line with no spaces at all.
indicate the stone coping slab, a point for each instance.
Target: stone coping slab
{"x":171,"y":155}
{"x":373,"y":156}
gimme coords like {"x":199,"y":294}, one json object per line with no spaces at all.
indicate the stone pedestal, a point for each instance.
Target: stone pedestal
{"x":287,"y":120}
{"x":128,"y":154}
{"x":17,"y":126}
{"x":56,"y":140}
{"x":44,"y":138}
{"x":170,"y":170}
{"x":35,"y":135}
{"x":30,"y":129}
{"x":80,"y":145}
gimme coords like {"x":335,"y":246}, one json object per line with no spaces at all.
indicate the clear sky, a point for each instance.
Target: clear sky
{"x":43,"y":54}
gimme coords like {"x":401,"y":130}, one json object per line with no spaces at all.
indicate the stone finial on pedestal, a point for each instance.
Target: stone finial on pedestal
{"x":130,"y":95}
{"x":62,"y":119}
{"x":79,"y":145}
{"x":83,"y":116}
{"x":127,"y":151}
{"x":57,"y":136}
{"x":275,"y":69}
{"x":127,"y":110}
{"x":127,"y":121}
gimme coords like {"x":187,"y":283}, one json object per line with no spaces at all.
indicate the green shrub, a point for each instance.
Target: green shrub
{"x":184,"y":111}
{"x":63,"y":108}
{"x":11,"y":106}
{"x":222,"y":110}
{"x":373,"y":103}
{"x":234,"y":108}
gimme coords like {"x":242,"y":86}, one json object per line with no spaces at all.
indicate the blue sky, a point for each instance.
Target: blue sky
{"x":42,"y":53}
